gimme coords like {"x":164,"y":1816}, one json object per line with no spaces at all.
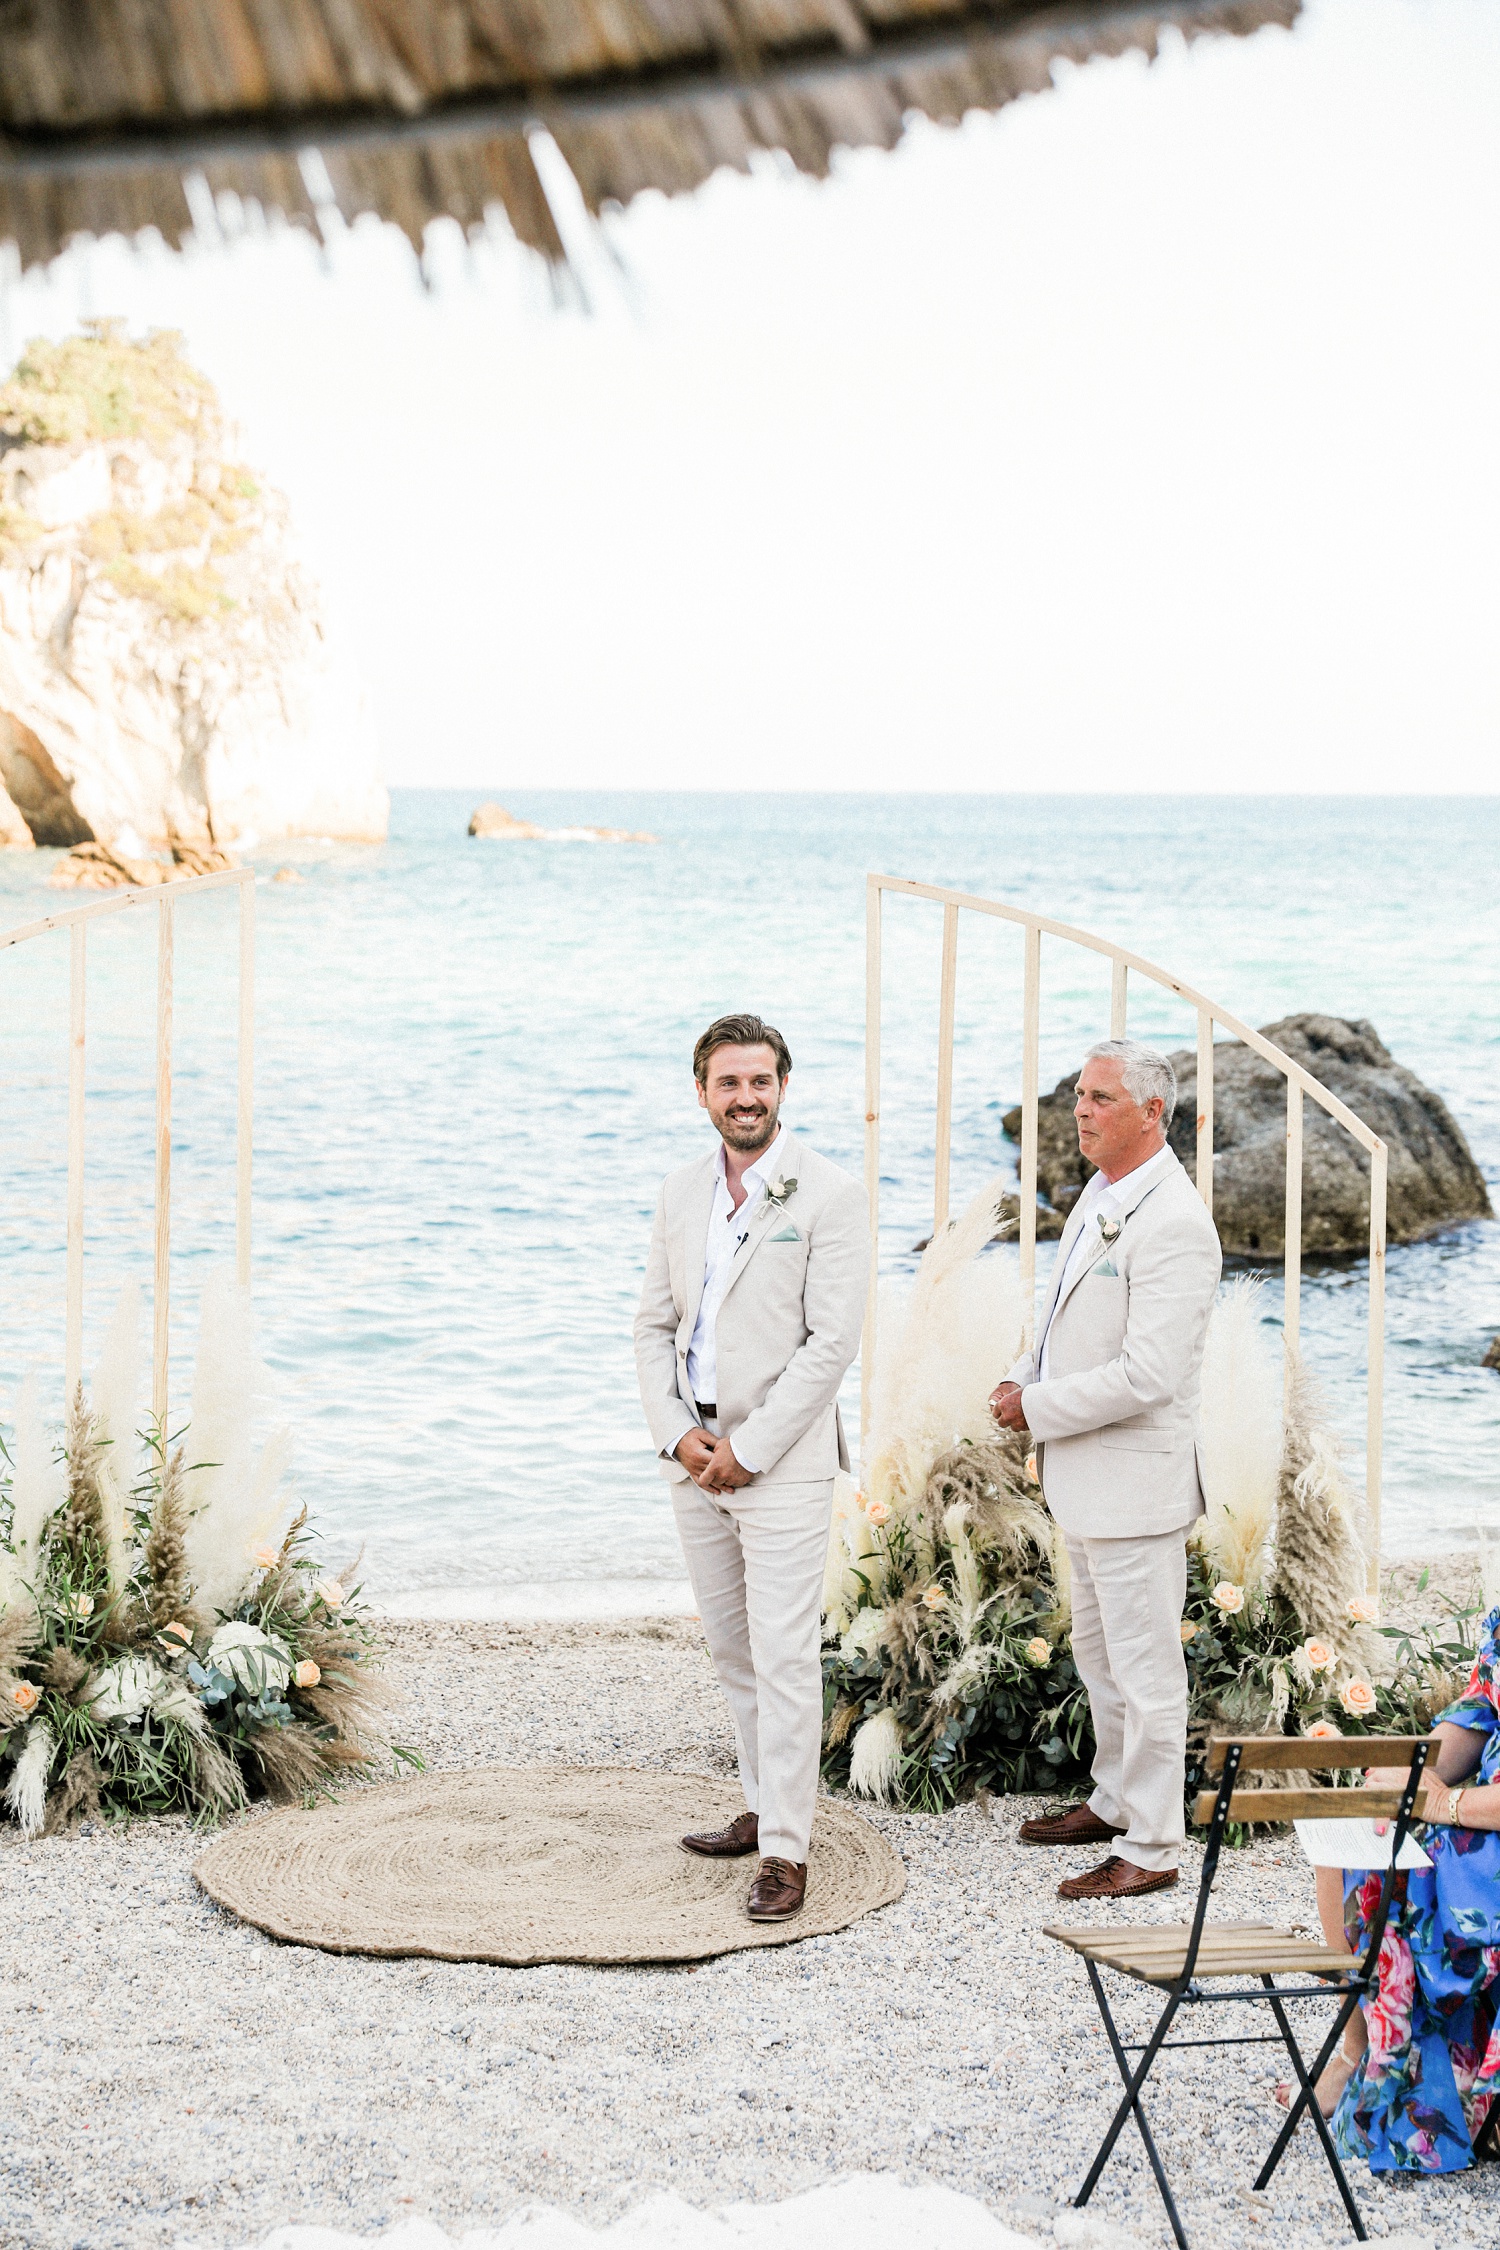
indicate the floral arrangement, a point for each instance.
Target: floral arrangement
{"x":164,"y":1646}
{"x":947,"y":1662}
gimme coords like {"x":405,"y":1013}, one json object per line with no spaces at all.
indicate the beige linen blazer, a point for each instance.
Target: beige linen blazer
{"x":789,"y":1321}
{"x":1117,"y":1416}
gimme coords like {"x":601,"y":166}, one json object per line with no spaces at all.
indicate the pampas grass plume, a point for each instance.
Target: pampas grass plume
{"x":26,"y":1791}
{"x":116,"y":1389}
{"x":36,"y":1493}
{"x":1241,"y":1435}
{"x":232,"y":1496}
{"x":875,"y":1761}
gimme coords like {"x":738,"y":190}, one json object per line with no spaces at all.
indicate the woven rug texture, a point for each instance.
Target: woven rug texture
{"x":519,"y":1864}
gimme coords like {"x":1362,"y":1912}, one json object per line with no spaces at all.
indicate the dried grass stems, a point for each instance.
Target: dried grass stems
{"x":66,"y":74}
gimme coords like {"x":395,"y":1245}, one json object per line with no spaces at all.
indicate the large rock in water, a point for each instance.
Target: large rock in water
{"x":164,"y":675}
{"x":1433,"y":1180}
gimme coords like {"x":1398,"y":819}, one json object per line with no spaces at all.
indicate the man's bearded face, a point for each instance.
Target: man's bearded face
{"x":743,"y":1096}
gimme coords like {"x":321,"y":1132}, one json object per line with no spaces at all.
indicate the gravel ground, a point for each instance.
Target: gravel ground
{"x":175,"y":2078}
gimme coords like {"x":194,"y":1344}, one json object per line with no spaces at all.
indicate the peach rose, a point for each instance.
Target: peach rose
{"x":1365,"y":1609}
{"x":178,"y":1631}
{"x":265,"y":1558}
{"x":1322,"y":1730}
{"x":1358,"y":1698}
{"x":307,"y":1674}
{"x":1228,"y":1597}
{"x":24,"y":1696}
{"x":934,"y":1598}
{"x":1188,"y":1630}
{"x":83,"y":1605}
{"x":877,"y":1512}
{"x":1031,"y":1469}
{"x":1038,"y":1652}
{"x":1319,"y":1655}
{"x":330,"y":1593}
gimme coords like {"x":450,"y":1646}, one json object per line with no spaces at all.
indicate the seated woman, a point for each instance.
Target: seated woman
{"x":1420,"y":2069}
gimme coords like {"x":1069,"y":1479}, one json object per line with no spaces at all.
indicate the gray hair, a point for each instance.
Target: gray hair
{"x":1144,"y":1072}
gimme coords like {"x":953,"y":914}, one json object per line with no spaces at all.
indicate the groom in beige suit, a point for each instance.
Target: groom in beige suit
{"x":750,"y":1317}
{"x":1111,"y":1395}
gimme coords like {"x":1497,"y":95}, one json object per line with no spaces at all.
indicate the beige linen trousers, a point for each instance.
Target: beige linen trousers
{"x":1116,"y":1421}
{"x":787,"y":1332}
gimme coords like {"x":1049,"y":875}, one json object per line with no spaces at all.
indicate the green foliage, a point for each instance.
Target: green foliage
{"x":151,"y":1707}
{"x":100,"y":384}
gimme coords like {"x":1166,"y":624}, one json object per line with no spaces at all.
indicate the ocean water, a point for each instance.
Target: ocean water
{"x":473,"y":1069}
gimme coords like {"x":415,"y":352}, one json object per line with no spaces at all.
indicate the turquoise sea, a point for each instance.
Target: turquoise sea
{"x":473,"y":1069}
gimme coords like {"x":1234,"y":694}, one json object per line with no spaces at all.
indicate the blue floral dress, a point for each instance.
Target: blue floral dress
{"x":1420,"y":2097}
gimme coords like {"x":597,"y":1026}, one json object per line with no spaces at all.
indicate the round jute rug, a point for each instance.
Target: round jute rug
{"x":519,"y":1864}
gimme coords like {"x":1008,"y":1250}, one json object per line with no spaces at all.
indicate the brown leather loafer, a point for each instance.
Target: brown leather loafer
{"x":778,"y":1891}
{"x":734,"y":1842}
{"x":1118,"y":1878}
{"x":1078,"y":1825}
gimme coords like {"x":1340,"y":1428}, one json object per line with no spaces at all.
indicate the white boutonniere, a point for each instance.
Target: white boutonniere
{"x":1109,"y":1232}
{"x":778,"y":1191}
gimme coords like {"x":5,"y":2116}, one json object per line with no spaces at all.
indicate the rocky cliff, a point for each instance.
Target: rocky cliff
{"x":164,"y":675}
{"x":1433,"y":1181}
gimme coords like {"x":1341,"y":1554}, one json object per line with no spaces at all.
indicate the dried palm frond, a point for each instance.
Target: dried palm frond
{"x":291,"y":1760}
{"x":1320,"y":1561}
{"x":875,"y":1765}
{"x":841,"y":1723}
{"x":26,"y":1791}
{"x":1241,"y":1436}
{"x":20,"y":1630}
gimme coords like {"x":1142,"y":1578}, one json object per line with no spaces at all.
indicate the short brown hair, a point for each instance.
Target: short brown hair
{"x":740,"y":1031}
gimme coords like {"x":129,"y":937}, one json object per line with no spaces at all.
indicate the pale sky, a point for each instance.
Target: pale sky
{"x":1144,"y":437}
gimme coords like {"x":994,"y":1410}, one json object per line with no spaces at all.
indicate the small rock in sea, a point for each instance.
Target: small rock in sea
{"x":288,"y":875}
{"x":495,"y":823}
{"x":1492,"y":1356}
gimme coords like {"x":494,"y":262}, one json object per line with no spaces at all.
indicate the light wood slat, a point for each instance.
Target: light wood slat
{"x":1031,"y":1013}
{"x":1282,"y":1750}
{"x":872,"y":1144}
{"x":1375,"y":1364}
{"x":947,"y":995}
{"x":1291,"y":1301}
{"x":1301,"y":1804}
{"x":1081,"y":1938}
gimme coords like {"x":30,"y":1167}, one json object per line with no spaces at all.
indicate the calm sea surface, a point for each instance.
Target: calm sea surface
{"x":473,"y":1069}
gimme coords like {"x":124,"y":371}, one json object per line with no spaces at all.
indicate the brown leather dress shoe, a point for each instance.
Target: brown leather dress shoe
{"x":734,"y":1842}
{"x":1118,"y":1878}
{"x":778,"y":1891}
{"x":1078,"y":1825}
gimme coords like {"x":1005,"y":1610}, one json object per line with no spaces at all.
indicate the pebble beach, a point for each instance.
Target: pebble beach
{"x":176,"y":2079}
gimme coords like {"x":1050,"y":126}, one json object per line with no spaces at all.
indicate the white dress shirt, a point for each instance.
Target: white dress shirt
{"x":727,"y":1229}
{"x":1102,"y":1199}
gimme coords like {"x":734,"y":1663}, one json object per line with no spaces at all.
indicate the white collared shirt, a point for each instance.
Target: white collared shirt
{"x":1102,"y":1199}
{"x":727,"y":1229}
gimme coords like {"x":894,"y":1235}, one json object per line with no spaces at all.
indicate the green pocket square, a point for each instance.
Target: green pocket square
{"x":787,"y":1234}
{"x":1108,"y":1271}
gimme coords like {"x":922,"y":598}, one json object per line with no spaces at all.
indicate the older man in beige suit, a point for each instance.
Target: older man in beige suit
{"x":1111,"y":1395}
{"x":749,"y":1320}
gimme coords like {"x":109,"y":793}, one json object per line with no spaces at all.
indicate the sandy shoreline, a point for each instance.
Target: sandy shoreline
{"x":175,"y":2078}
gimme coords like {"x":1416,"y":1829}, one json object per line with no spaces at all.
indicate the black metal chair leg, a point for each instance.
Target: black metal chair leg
{"x":1310,"y":2099}
{"x":1304,"y":2098}
{"x":1131,"y":2105}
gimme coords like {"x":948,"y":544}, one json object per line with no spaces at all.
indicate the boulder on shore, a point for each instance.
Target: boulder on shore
{"x":1492,"y":1356}
{"x":1433,"y":1180}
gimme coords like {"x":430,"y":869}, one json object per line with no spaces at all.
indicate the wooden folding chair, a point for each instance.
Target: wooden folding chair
{"x":1178,"y":1957}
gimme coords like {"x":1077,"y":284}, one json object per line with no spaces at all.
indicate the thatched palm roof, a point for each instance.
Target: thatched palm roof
{"x":422,"y":107}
